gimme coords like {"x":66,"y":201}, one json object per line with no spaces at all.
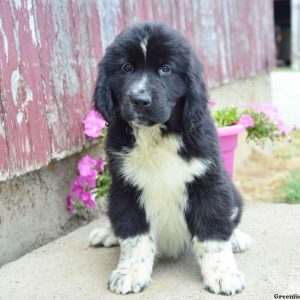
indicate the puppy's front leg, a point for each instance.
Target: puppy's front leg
{"x":211,"y":226}
{"x":133,"y":272}
{"x":218,"y":267}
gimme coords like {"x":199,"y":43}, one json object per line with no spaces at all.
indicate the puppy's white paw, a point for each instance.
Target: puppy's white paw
{"x":229,"y":282}
{"x":240,"y":241}
{"x":218,"y":267}
{"x":125,"y":281}
{"x":103,"y":236}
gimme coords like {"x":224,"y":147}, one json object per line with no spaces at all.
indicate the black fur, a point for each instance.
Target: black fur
{"x":179,"y":101}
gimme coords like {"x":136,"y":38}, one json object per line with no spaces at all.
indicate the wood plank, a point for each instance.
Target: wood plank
{"x":4,"y":158}
{"x":61,"y":80}
{"x":26,"y":130}
{"x":32,"y":104}
{"x":16,"y":133}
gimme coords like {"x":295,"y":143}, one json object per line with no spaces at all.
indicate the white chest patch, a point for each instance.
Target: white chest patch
{"x":155,"y":167}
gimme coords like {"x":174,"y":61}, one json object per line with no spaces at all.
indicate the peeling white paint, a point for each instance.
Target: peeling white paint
{"x":17,"y":3}
{"x":2,"y":129}
{"x":32,"y":28}
{"x":108,"y":13}
{"x":14,"y":81}
{"x":27,"y":146}
{"x":52,"y":115}
{"x":64,"y":75}
{"x":35,"y":34}
{"x":86,"y":57}
{"x":20,"y":116}
{"x":4,"y":39}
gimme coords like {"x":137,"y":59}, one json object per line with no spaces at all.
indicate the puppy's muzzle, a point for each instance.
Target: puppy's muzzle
{"x":140,"y":100}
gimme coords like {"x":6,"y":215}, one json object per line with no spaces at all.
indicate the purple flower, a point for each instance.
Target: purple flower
{"x":70,"y":204}
{"x":246,"y":121}
{"x":90,"y":181}
{"x":87,"y":199}
{"x":100,"y":165}
{"x":212,"y":103}
{"x":83,"y":184}
{"x":93,"y":124}
{"x":77,"y":187}
{"x":86,"y":166}
{"x":80,"y":184}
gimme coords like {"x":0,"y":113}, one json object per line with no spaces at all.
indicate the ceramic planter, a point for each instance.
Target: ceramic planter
{"x":228,"y":140}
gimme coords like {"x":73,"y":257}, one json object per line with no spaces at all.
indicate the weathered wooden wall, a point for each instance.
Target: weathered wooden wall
{"x":49,"y":52}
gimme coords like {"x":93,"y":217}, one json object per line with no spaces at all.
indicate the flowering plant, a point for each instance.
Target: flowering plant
{"x":93,"y":180}
{"x":262,"y":121}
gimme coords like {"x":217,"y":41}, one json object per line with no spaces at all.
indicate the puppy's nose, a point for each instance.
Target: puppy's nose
{"x":141,"y":100}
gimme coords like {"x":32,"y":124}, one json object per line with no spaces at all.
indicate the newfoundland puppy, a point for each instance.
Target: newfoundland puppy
{"x":169,"y":189}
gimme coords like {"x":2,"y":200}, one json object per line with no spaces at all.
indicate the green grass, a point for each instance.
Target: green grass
{"x":285,"y":69}
{"x":291,"y":187}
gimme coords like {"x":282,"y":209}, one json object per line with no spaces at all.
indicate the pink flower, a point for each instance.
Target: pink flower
{"x":77,"y":187}
{"x":70,"y":204}
{"x":86,"y":166}
{"x":283,"y":128}
{"x":93,"y":124}
{"x":246,"y":121}
{"x":212,"y":103}
{"x":100,"y":165}
{"x":90,"y":181}
{"x":80,"y":184}
{"x":87,"y":199}
{"x":268,"y":109}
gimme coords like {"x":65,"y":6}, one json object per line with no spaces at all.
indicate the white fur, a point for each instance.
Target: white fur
{"x":240,"y":241}
{"x":102,"y":236}
{"x":133,"y":272}
{"x":218,"y":267}
{"x":140,"y":85}
{"x":155,"y":167}
{"x":234,"y":213}
{"x":143,"y":45}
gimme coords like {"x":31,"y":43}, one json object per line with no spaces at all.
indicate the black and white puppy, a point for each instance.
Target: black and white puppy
{"x":169,"y":189}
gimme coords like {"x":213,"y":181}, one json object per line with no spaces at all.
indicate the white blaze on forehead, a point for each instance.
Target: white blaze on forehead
{"x":143,"y":45}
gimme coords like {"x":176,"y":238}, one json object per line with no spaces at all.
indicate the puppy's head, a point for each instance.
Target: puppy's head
{"x":147,"y":70}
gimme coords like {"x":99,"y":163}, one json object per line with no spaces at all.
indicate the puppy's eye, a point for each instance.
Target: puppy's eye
{"x":128,"y":68}
{"x":164,"y":70}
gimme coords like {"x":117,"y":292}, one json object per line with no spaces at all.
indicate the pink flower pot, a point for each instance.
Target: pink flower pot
{"x":228,"y":140}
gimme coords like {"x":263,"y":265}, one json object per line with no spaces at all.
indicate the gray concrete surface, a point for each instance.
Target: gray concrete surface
{"x":243,"y":91}
{"x":68,"y":269}
{"x":33,"y":208}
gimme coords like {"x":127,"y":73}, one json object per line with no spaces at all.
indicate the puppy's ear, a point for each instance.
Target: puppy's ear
{"x":102,"y":96}
{"x":196,"y":97}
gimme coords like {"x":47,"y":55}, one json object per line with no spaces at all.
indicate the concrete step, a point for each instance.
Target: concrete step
{"x":68,"y":269}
